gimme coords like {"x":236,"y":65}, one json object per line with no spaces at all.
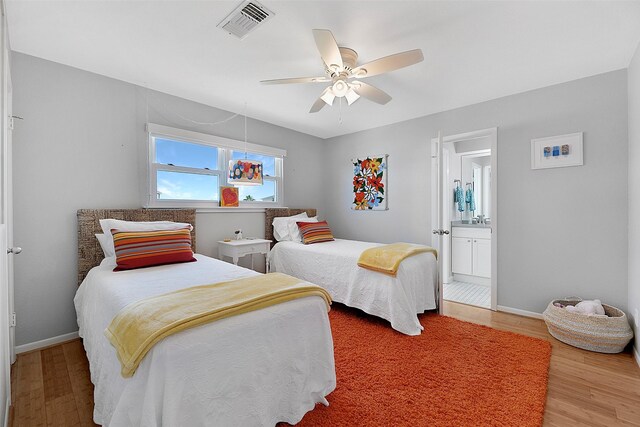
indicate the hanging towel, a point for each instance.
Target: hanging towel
{"x":459,"y":198}
{"x":471,"y":203}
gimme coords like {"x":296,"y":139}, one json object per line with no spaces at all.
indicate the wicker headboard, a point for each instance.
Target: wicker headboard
{"x":89,"y":251}
{"x":276,"y":212}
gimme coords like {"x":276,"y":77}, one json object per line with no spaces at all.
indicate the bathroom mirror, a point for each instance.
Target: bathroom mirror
{"x":476,"y":174}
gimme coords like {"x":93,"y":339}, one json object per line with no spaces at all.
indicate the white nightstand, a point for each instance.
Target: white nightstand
{"x":236,"y":249}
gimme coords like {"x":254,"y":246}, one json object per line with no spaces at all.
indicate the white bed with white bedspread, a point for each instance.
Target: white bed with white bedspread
{"x":333,"y":265}
{"x":253,"y":369}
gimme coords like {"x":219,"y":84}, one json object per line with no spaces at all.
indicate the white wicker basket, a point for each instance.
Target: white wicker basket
{"x":595,"y":333}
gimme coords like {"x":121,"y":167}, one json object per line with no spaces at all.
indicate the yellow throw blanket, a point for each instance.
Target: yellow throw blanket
{"x":140,"y":325}
{"x":386,"y":259}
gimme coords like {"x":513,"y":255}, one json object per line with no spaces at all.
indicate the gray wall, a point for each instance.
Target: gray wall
{"x":82,"y":145}
{"x":562,"y":232}
{"x":634,"y":192}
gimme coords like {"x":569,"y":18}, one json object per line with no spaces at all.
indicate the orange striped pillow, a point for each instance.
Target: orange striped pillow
{"x":138,"y":249}
{"x":315,"y":232}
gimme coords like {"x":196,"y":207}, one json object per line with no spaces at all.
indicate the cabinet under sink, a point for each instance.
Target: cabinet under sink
{"x":471,"y":254}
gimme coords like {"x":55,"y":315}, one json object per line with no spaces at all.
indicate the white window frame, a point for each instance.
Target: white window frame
{"x":225,"y":148}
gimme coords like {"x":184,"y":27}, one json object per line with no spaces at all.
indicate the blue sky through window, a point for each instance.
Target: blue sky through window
{"x":186,"y":154}
{"x":260,"y":193}
{"x":187,"y":186}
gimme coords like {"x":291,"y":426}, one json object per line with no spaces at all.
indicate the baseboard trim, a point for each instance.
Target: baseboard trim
{"x":519,"y":312}
{"x":37,"y":345}
{"x":476,"y":280}
{"x":637,"y":355}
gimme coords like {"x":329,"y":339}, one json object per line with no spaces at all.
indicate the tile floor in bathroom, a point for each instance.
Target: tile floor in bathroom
{"x":468,"y":293}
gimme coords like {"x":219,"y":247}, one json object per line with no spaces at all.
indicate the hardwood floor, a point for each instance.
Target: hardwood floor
{"x":585,"y":388}
{"x":51,"y":387}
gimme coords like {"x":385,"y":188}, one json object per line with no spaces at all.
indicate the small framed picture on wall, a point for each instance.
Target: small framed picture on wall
{"x":557,"y":151}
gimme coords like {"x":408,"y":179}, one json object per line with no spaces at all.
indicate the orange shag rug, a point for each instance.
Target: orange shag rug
{"x":455,"y":374}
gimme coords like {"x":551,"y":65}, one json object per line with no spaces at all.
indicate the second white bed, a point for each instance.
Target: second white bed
{"x":333,"y":265}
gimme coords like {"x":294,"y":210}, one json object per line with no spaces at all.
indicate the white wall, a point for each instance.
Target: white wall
{"x":634,"y":192}
{"x":562,"y":232}
{"x":82,"y":145}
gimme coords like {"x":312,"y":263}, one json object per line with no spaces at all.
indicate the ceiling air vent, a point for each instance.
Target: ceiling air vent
{"x":245,"y":18}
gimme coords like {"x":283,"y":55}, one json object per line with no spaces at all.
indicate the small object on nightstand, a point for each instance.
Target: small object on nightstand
{"x":226,"y":240}
{"x":238,"y":234}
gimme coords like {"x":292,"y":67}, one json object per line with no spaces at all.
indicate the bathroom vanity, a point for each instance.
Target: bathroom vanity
{"x":471,"y":252}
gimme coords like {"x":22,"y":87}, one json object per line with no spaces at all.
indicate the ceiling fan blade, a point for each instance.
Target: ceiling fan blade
{"x":370,"y":92}
{"x":317,"y":106}
{"x":297,"y":80}
{"x":389,"y":63}
{"x":328,"y":48}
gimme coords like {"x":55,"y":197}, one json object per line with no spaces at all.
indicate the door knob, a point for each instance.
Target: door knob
{"x":440,"y":232}
{"x":14,"y":251}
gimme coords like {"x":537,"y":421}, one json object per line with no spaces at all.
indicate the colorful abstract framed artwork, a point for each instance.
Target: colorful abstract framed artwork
{"x":370,"y":183}
{"x":557,"y":151}
{"x":229,"y":197}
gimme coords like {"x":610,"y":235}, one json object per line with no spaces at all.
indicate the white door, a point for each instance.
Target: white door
{"x":441,"y":183}
{"x":5,"y":353}
{"x":440,"y":230}
{"x":6,"y":231}
{"x":7,"y":194}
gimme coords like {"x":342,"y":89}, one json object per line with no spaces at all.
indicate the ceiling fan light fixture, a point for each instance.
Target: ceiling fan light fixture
{"x":340,"y":88}
{"x":351,"y":96}
{"x":328,"y":97}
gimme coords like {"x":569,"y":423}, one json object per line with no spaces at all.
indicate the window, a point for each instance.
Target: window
{"x":187,"y":169}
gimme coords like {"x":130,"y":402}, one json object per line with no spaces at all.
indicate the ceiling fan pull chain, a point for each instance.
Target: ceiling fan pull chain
{"x":340,"y":112}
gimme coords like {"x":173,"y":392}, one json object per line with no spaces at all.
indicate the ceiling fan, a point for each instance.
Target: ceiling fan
{"x":344,"y":76}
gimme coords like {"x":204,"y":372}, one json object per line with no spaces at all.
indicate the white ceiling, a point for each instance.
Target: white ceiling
{"x":474,"y":50}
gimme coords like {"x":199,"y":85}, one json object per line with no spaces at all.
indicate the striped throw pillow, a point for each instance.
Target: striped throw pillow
{"x":138,"y":249}
{"x":315,"y":232}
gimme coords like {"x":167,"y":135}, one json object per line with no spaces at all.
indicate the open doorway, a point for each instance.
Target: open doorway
{"x":467,"y":167}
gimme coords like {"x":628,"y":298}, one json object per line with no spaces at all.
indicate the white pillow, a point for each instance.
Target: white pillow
{"x":294,"y":231}
{"x":103,"y":239}
{"x":109,"y":224}
{"x":281,"y":225}
{"x":109,"y":262}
